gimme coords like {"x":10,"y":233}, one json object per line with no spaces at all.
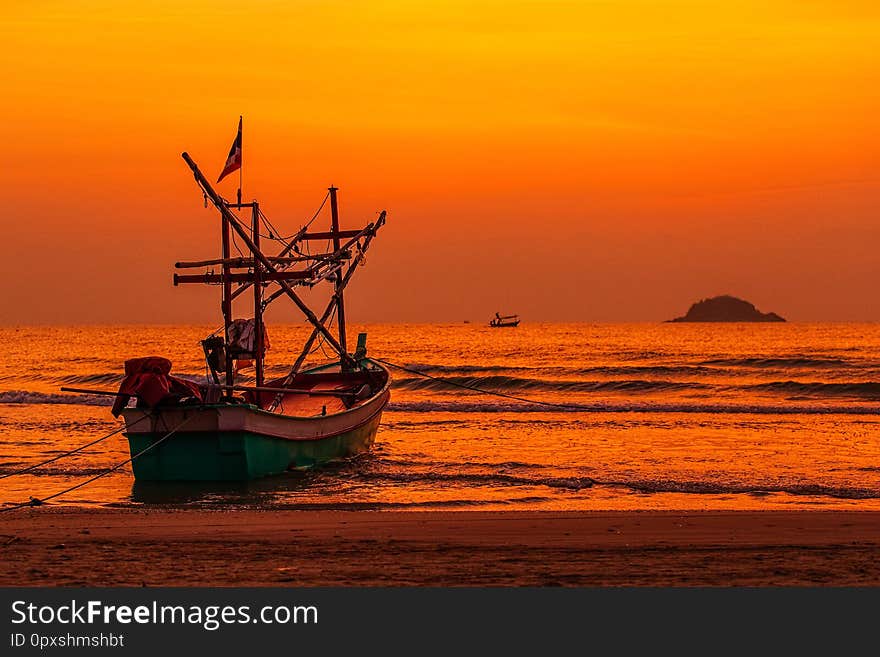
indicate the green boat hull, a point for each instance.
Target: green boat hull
{"x":239,"y":455}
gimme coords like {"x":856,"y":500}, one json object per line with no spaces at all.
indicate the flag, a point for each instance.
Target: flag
{"x":233,"y":162}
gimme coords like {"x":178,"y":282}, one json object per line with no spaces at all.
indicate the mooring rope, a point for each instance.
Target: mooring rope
{"x":73,"y":451}
{"x":37,"y":502}
{"x":484,"y":391}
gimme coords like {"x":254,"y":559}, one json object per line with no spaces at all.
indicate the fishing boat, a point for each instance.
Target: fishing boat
{"x":224,"y":430}
{"x":504,"y":321}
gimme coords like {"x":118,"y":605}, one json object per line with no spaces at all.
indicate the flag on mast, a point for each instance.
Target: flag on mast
{"x":233,"y":162}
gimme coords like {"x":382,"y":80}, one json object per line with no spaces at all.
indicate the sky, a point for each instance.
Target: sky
{"x":568,"y":161}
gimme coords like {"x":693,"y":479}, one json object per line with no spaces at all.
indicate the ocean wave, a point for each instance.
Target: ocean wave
{"x":627,"y":370}
{"x":87,"y":359}
{"x":116,"y":377}
{"x":28,"y":397}
{"x":612,"y":370}
{"x":465,"y":369}
{"x":335,"y":506}
{"x":500,"y":382}
{"x":800,"y":361}
{"x":500,"y":465}
{"x":512,"y":384}
{"x":474,"y":479}
{"x":866,"y":389}
{"x":713,"y":488}
{"x":647,"y":486}
{"x":79,"y":379}
{"x":71,"y":471}
{"x":523,"y":407}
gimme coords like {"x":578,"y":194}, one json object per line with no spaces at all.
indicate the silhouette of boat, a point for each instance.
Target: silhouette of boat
{"x":504,"y":321}
{"x":224,"y":431}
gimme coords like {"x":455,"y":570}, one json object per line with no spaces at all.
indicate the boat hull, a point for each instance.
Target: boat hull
{"x":239,"y":443}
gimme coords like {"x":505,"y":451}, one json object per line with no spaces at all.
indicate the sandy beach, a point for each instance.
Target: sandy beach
{"x":135,"y":547}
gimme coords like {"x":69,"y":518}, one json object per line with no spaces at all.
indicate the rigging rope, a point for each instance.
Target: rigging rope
{"x":73,"y":451}
{"x":36,"y":502}
{"x":284,"y":238}
{"x":321,"y":339}
{"x":235,"y":244}
{"x":483,"y":390}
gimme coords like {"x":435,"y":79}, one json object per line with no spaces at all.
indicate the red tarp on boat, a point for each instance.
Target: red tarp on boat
{"x":151,"y":381}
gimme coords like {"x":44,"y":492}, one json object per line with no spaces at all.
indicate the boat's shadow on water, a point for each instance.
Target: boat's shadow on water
{"x":258,"y":492}
{"x":277,"y":490}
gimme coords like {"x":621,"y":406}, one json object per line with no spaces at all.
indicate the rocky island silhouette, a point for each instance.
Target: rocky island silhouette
{"x":726,"y":308}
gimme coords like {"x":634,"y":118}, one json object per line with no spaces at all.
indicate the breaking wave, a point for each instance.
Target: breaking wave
{"x":428,"y":367}
{"x":779,"y":362}
{"x":499,"y":382}
{"x":357,"y":506}
{"x":488,"y":479}
{"x":665,"y":370}
{"x":646,"y":486}
{"x":72,"y":471}
{"x":28,"y":397}
{"x":80,"y":379}
{"x":870,"y":390}
{"x":619,"y":370}
{"x":712,"y":488}
{"x":522,"y":407}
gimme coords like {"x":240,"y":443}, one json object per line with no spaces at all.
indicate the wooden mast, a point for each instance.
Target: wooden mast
{"x":340,"y":304}
{"x":226,"y":303}
{"x":258,"y":299}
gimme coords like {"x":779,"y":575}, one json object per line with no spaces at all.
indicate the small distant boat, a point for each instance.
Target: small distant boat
{"x":504,"y":321}
{"x":225,"y":431}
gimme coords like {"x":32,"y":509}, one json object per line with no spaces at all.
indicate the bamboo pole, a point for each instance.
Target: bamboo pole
{"x":249,"y":262}
{"x":340,"y":302}
{"x":293,"y":391}
{"x":241,"y":277}
{"x":258,"y":300}
{"x":226,"y":299}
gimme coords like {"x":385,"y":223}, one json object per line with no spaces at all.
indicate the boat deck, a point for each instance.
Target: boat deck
{"x":307,"y":400}
{"x":305,"y":405}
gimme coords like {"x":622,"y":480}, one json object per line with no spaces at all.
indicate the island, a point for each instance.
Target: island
{"x":726,"y":309}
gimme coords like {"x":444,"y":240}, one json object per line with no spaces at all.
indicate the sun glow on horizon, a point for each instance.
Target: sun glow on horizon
{"x":632,"y":155}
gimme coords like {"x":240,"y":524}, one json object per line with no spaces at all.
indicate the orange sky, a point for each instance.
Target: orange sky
{"x":564,"y":160}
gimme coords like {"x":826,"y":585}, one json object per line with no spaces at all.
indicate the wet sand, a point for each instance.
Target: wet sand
{"x":134,"y":547}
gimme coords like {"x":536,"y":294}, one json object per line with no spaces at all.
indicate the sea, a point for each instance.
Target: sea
{"x":645,"y":416}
